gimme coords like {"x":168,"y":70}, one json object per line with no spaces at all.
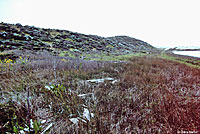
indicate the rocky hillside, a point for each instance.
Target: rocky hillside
{"x":131,"y":44}
{"x":18,"y":37}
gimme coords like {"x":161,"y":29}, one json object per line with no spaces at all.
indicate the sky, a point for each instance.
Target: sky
{"x":162,"y":23}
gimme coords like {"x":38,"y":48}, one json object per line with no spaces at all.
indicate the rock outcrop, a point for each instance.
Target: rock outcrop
{"x":16,"y":36}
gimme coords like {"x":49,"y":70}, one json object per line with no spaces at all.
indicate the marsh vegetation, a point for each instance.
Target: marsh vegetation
{"x":143,"y":94}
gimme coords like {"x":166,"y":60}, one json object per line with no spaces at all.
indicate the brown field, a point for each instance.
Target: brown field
{"x":146,"y":95}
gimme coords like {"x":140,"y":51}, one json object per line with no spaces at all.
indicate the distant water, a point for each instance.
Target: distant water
{"x":188,"y":53}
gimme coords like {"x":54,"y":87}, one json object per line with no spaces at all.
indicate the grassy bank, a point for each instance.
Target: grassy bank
{"x":190,"y":61}
{"x":59,"y":95}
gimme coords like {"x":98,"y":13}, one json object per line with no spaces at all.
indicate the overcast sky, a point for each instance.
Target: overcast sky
{"x":158,"y":22}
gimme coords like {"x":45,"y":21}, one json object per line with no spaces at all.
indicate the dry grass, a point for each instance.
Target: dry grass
{"x":150,"y":95}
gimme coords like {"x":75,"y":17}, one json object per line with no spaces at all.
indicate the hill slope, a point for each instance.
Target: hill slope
{"x":18,"y":37}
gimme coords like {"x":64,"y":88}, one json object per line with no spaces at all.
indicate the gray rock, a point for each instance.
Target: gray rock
{"x":19,"y":25}
{"x":28,"y":37}
{"x":3,"y":34}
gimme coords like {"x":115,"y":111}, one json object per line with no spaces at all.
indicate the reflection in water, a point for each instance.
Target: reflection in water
{"x":188,"y":53}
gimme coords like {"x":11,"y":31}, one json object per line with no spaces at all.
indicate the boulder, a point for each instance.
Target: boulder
{"x":28,"y":37}
{"x":19,"y":25}
{"x":3,"y":34}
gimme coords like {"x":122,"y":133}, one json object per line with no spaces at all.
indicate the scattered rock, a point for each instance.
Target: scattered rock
{"x":18,"y":36}
{"x":100,"y":80}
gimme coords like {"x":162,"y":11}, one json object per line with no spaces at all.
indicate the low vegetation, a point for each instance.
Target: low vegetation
{"x":52,"y":94}
{"x":190,"y":61}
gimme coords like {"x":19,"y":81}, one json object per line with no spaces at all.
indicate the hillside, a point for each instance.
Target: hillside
{"x":18,"y":37}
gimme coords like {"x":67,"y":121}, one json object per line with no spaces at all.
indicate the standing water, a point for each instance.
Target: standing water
{"x":188,"y":53}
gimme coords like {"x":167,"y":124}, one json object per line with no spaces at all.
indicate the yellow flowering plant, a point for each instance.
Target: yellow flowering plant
{"x":6,"y":61}
{"x":23,"y":60}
